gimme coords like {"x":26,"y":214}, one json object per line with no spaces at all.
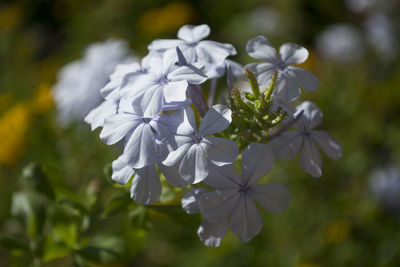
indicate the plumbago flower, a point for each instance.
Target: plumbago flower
{"x":288,"y":144}
{"x":195,"y":50}
{"x":196,"y":150}
{"x":140,"y":133}
{"x":146,"y":186}
{"x":234,"y":196}
{"x":163,"y":85}
{"x":78,"y":88}
{"x":147,"y":106}
{"x":291,"y":78}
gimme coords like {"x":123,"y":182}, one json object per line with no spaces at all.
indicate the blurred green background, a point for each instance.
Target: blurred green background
{"x":59,"y":207}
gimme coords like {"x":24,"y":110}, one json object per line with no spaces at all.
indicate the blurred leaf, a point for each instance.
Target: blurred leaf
{"x":139,"y":217}
{"x":12,"y":243}
{"x":118,"y":204}
{"x":73,"y":205}
{"x":105,"y":250}
{"x":107,"y":170}
{"x":34,"y":178}
{"x":54,"y":250}
{"x":176,"y":213}
{"x":64,"y":226}
{"x":31,"y":208}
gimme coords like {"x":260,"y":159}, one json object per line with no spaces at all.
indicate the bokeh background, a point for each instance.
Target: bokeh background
{"x":59,"y":207}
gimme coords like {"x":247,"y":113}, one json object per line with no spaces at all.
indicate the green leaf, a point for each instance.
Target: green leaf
{"x":118,"y":204}
{"x":64,"y":226}
{"x":177,"y":214}
{"x":31,"y":208}
{"x":33,"y":178}
{"x":105,"y":250}
{"x":11,"y":243}
{"x":54,"y":250}
{"x":139,"y":217}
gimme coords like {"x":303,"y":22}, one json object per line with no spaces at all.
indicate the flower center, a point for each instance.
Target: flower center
{"x":197,"y":138}
{"x":164,"y":80}
{"x":243,"y":188}
{"x":281,"y":66}
{"x":146,"y":120}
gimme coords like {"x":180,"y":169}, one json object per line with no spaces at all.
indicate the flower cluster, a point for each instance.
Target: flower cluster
{"x":158,"y":110}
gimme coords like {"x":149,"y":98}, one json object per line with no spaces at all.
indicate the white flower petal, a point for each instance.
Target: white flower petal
{"x":287,"y":88}
{"x":172,"y":175}
{"x":192,"y":34}
{"x":273,"y":197}
{"x":211,"y":234}
{"x":217,"y":206}
{"x":210,"y":52}
{"x":189,"y":52}
{"x":220,"y":151}
{"x":175,"y":91}
{"x":293,"y":53}
{"x":163,"y":44}
{"x":260,"y":48}
{"x":117,"y":126}
{"x":310,"y":158}
{"x":287,"y":145}
{"x":246,"y":221}
{"x":182,"y":122}
{"x":193,"y":74}
{"x":217,"y":119}
{"x":146,"y":186}
{"x":140,"y":149}
{"x":175,"y":156}
{"x":121,"y":171}
{"x":326,"y":142}
{"x":312,"y":115}
{"x":263,"y":72}
{"x":149,"y":102}
{"x":236,"y":68}
{"x":117,"y":77}
{"x":194,"y":167}
{"x":305,"y":78}
{"x":190,"y":201}
{"x":98,"y":115}
{"x":257,"y":161}
{"x":223,"y":177}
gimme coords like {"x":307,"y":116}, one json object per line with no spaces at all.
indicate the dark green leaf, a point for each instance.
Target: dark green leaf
{"x":105,"y":250}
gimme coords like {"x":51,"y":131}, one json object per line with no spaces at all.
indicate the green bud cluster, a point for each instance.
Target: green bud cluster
{"x":253,"y":119}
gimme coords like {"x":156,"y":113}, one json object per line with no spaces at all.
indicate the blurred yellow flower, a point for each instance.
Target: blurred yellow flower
{"x":168,"y":18}
{"x":14,"y":125}
{"x":42,"y":101}
{"x":337,"y":231}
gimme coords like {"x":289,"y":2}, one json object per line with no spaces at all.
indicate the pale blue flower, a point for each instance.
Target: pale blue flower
{"x":195,"y":50}
{"x":140,"y":133}
{"x":111,"y":95}
{"x":210,"y":234}
{"x":146,"y":186}
{"x":163,"y":85}
{"x":290,"y":78}
{"x":290,"y":143}
{"x":234,"y":195}
{"x":77,"y":91}
{"x":196,"y":149}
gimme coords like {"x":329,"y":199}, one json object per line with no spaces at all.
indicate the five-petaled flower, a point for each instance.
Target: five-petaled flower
{"x":232,"y":200}
{"x":290,"y":78}
{"x":288,"y":145}
{"x":196,"y":150}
